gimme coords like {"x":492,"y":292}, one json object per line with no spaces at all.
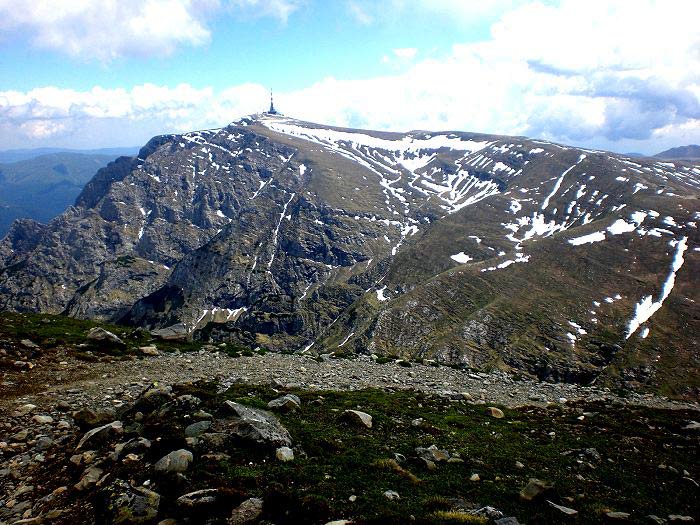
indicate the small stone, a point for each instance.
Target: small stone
{"x":534,"y":489}
{"x":24,"y":409}
{"x":519,"y":465}
{"x":655,"y":519}
{"x":677,"y":518}
{"x":26,"y":343}
{"x":358,"y":418}
{"x":199,"y":499}
{"x":352,"y":499}
{"x":20,"y":436}
{"x":432,"y":453}
{"x":619,"y":516}
{"x":175,"y":461}
{"x":247,"y":512}
{"x":391,"y":495}
{"x":474,"y":477}
{"x":564,"y":510}
{"x":284,"y":454}
{"x":151,"y":350}
{"x":42,"y":420}
{"x":495,"y":412}
{"x":89,"y":478}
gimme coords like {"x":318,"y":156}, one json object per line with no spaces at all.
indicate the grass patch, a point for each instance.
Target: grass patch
{"x":606,"y":461}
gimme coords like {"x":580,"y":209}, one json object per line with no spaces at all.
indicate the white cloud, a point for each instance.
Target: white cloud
{"x":562,"y":72}
{"x":280,"y":9}
{"x":105,"y":30}
{"x":405,"y":53}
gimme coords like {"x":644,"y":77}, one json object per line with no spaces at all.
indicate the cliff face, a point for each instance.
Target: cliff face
{"x":474,"y":249}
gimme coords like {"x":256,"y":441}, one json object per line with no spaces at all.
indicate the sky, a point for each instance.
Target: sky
{"x":620,"y":75}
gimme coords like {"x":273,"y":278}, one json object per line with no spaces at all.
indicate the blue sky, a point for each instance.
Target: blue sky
{"x":622,"y":75}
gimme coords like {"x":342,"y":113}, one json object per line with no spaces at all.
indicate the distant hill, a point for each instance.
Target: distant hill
{"x":16,"y":155}
{"x":691,"y":152}
{"x":43,"y":186}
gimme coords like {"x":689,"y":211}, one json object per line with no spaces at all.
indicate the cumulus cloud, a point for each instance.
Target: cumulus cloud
{"x":564,"y":72}
{"x":111,"y":29}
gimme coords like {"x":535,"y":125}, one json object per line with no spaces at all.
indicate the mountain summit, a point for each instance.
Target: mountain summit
{"x":468,"y":249}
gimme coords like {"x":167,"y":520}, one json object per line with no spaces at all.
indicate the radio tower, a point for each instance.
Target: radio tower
{"x":272,"y":111}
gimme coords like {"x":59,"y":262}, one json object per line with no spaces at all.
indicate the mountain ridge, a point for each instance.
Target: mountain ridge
{"x":470,"y":249}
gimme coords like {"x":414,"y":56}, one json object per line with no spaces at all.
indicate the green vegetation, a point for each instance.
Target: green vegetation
{"x":608,"y":460}
{"x":52,"y":331}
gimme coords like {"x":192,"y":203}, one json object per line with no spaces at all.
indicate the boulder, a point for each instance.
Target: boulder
{"x":197,"y":429}
{"x":255,"y":425}
{"x":127,"y":504}
{"x":199,"y":499}
{"x":534,"y":489}
{"x":176,"y":461}
{"x":90,"y":418}
{"x":100,"y":435}
{"x":358,"y":418}
{"x":286,"y":403}
{"x":89,"y":478}
{"x":103,"y":336}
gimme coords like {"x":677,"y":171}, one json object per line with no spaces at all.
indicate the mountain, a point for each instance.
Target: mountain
{"x":17,"y":155}
{"x":691,"y":152}
{"x":41,"y":187}
{"x":475,"y":250}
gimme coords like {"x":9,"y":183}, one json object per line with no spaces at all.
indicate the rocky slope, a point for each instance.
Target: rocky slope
{"x":478,"y":250}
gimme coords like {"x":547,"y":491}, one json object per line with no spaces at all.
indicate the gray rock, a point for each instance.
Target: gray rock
{"x":176,"y":332}
{"x":358,"y":418}
{"x":534,"y":489}
{"x":564,"y":510}
{"x":284,"y":454}
{"x":98,"y":436}
{"x":175,"y":461}
{"x":89,"y":478}
{"x":150,"y":350}
{"x":197,"y":429}
{"x":286,"y":403}
{"x":199,"y":499}
{"x":103,"y":336}
{"x":259,"y":426}
{"x":391,"y":495}
{"x":432,"y":453}
{"x":89,"y":418}
{"x":495,"y":412}
{"x":247,"y":512}
{"x":617,"y":516}
{"x":510,"y":520}
{"x":27,"y":343}
{"x":130,"y":505}
{"x":42,"y":419}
